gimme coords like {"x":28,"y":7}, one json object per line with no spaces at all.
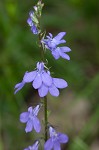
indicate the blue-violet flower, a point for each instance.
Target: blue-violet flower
{"x":31,"y":120}
{"x":42,"y":81}
{"x":55,"y":139}
{"x":33,"y":147}
{"x":52,"y":44}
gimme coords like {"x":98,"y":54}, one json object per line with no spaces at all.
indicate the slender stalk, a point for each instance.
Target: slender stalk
{"x":45,"y":98}
{"x":45,"y":101}
{"x":42,"y":51}
{"x":45,"y":117}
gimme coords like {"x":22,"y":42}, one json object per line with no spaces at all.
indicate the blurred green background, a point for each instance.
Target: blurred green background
{"x":76,"y":111}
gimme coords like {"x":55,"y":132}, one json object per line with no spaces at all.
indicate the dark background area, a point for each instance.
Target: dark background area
{"x":76,"y":111}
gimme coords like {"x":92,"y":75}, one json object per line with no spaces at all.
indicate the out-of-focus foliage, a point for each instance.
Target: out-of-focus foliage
{"x":19,"y":52}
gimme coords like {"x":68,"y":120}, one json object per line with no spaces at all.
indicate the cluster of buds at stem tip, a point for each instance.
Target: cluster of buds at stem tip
{"x":34,"y":18}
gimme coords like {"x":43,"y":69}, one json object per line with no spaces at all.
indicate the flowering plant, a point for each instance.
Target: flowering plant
{"x":42,"y":81}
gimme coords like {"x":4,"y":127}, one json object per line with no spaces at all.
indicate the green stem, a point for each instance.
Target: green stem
{"x":42,"y":51}
{"x":45,"y":98}
{"x":45,"y":117}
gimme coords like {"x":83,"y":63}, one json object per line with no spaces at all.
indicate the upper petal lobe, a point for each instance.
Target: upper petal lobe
{"x":19,"y":86}
{"x":59,"y":36}
{"x":24,"y":117}
{"x":29,"y":76}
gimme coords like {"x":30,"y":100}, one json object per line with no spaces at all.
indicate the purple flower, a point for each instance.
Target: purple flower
{"x":37,"y":77}
{"x":55,"y":139}
{"x":33,"y":147}
{"x":31,"y":23}
{"x":42,"y":81}
{"x":52,"y":43}
{"x":31,"y":120}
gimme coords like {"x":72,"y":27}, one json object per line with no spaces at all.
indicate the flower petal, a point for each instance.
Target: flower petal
{"x":37,"y":81}
{"x":35,"y":146}
{"x":19,"y":86}
{"x":46,"y":78}
{"x":65,"y":49}
{"x":26,"y":149}
{"x":30,"y":110}
{"x":59,"y":36}
{"x":60,"y":83}
{"x":52,"y":131}
{"x":57,"y":145}
{"x":65,"y":56}
{"x":36,"y":110}
{"x":50,"y":34}
{"x":29,"y":76}
{"x":24,"y":117}
{"x":53,"y":90}
{"x":63,"y":138}
{"x":51,"y":44}
{"x":36,"y":124}
{"x":40,"y":66}
{"x":61,"y":41}
{"x":43,"y":90}
{"x":55,"y":54}
{"x":48,"y":145}
{"x":29,"y":126}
